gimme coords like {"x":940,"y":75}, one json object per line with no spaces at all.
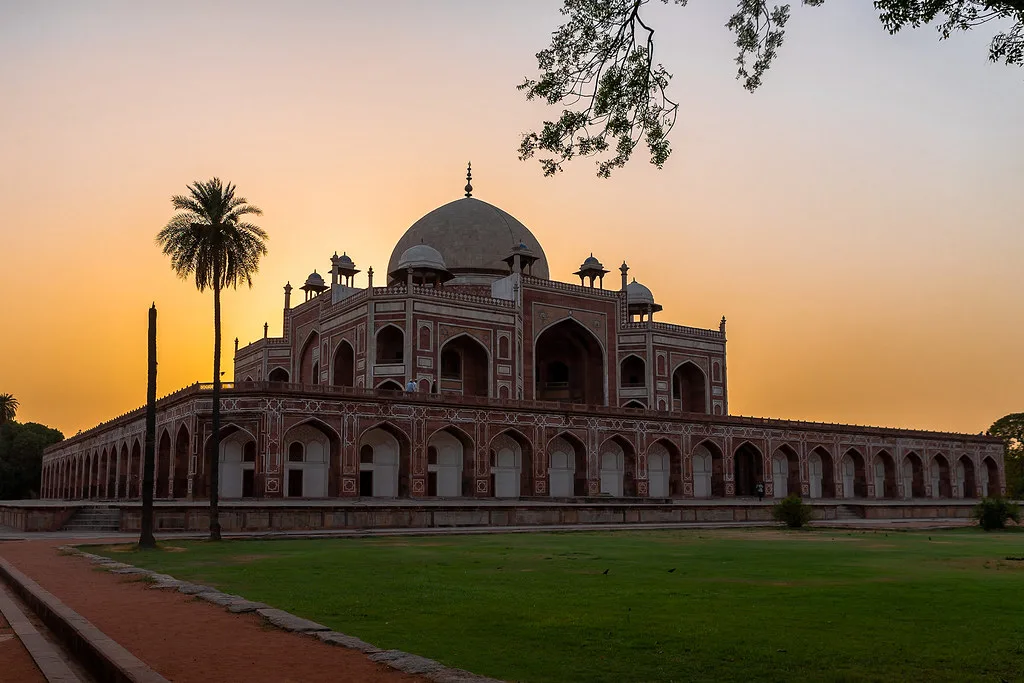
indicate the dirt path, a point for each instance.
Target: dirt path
{"x":183,"y":638}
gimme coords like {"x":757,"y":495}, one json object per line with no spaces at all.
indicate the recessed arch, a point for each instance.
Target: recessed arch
{"x":569,"y":364}
{"x":991,"y":484}
{"x":465,"y":365}
{"x":312,"y":475}
{"x":308,"y":366}
{"x":390,"y":343}
{"x":278,"y":375}
{"x":511,"y":464}
{"x":634,"y":403}
{"x":689,"y":388}
{"x":617,"y":465}
{"x":124,"y":478}
{"x":135,"y":485}
{"x":913,"y":476}
{"x":182,"y":455}
{"x":708,"y":462}
{"x":632,"y":372}
{"x":236,"y":474}
{"x":942,"y":483}
{"x":384,"y":455}
{"x":821,"y":473}
{"x":163,"y":464}
{"x":567,"y":466}
{"x":664,"y":470}
{"x":853,"y":473}
{"x":390,"y":385}
{"x":343,"y":370}
{"x":885,"y":475}
{"x":785,"y":471}
{"x":967,"y":483}
{"x":450,"y":472}
{"x":748,"y":468}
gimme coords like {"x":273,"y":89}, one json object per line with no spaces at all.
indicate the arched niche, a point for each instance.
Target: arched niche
{"x":821,"y":473}
{"x":885,"y":476}
{"x":748,"y":469}
{"x":309,"y":450}
{"x":785,"y":472}
{"x":632,"y":372}
{"x":511,"y":465}
{"x":308,"y":365}
{"x":390,"y":345}
{"x":567,"y":467}
{"x":449,"y":464}
{"x":569,"y":365}
{"x":689,"y":389}
{"x":465,"y":366}
{"x":708,"y":465}
{"x":343,"y":373}
{"x":384,"y":453}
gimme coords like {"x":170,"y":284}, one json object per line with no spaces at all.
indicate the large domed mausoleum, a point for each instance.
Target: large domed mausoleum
{"x":464,"y":370}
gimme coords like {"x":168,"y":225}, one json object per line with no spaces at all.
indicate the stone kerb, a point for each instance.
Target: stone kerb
{"x":286,"y":621}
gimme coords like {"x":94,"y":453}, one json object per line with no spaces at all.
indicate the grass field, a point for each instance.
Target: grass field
{"x":728,"y":605}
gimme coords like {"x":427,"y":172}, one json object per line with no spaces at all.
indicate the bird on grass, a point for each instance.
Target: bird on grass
{"x":671,"y":570}
{"x":605,"y":571}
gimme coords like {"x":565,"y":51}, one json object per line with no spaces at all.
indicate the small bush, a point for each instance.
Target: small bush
{"x":792,"y":511}
{"x":992,"y":513}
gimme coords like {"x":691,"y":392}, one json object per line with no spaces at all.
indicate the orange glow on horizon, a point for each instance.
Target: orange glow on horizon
{"x":860,"y":231}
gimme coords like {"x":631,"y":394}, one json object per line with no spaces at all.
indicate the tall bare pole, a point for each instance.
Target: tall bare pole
{"x":146,"y":539}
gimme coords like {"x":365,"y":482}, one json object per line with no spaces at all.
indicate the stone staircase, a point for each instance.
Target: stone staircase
{"x":844,"y":512}
{"x":94,"y":518}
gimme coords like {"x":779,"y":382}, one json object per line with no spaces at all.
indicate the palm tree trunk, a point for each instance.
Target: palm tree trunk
{"x":146,"y":539}
{"x":214,"y":459}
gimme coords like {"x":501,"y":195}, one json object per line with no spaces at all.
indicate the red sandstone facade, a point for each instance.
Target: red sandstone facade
{"x":523,"y":387}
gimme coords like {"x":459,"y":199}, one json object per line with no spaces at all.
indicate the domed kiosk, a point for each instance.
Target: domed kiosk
{"x":474,"y":239}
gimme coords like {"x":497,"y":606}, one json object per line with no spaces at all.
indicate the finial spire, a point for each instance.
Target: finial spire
{"x":469,"y":179}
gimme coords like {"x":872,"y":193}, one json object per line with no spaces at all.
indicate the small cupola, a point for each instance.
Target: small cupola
{"x":314,"y":285}
{"x":593,"y":269}
{"x":343,"y":270}
{"x":421,"y":264}
{"x":640,"y":300}
{"x":521,"y":259}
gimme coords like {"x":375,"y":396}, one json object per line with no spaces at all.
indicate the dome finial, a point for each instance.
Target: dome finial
{"x":469,"y":179}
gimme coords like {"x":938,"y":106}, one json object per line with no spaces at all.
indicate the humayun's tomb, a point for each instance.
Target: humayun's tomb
{"x":527,"y":389}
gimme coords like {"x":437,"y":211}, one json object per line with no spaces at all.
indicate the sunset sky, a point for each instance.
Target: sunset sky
{"x":858,"y":219}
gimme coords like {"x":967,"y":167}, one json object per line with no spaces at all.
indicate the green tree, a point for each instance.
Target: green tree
{"x":1010,"y":428}
{"x":8,"y":408}
{"x":600,"y":68}
{"x":209,"y":240}
{"x":21,"y":457}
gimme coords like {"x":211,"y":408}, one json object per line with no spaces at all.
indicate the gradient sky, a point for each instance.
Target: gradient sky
{"x":858,"y":219}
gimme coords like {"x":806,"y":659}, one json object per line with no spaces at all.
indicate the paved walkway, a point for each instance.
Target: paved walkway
{"x":15,"y":662}
{"x":182,"y":638}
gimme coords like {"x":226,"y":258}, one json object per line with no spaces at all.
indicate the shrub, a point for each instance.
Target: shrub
{"x":792,"y":511}
{"x":992,"y":513}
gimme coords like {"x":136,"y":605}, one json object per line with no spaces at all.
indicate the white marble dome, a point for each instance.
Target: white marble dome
{"x":638,"y":294}
{"x":473,"y":237}
{"x":421,"y":257}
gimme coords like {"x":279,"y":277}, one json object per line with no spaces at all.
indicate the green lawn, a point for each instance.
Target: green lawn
{"x":738,"y":605}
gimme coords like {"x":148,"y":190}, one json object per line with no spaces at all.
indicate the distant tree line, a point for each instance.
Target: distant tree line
{"x":21,"y":452}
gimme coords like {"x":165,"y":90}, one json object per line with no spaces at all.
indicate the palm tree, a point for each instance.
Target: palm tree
{"x":209,"y":240}
{"x":8,"y":408}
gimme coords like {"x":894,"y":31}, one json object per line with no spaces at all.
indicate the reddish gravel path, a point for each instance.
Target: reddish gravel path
{"x":182,"y":638}
{"x":15,"y":662}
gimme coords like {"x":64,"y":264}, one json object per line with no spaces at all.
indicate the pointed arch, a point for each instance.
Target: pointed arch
{"x":123,"y":475}
{"x":632,"y":372}
{"x":617,"y":467}
{"x":450,"y":463}
{"x":308,"y":359}
{"x":635,"y":404}
{"x":689,"y":388}
{"x":942,"y":483}
{"x":278,"y":375}
{"x":135,"y":485}
{"x":385,"y":452}
{"x":567,"y":466}
{"x":785,"y":471}
{"x":708,"y":462}
{"x":966,"y":480}
{"x":182,"y":456}
{"x":991,"y":483}
{"x":343,"y":365}
{"x":465,"y":365}
{"x":512,"y":464}
{"x":569,"y":364}
{"x":821,"y":473}
{"x":853,"y":473}
{"x":315,"y":473}
{"x":162,"y":466}
{"x":664,"y":473}
{"x":913,"y":476}
{"x":748,"y":468}
{"x":885,"y":476}
{"x":390,"y":385}
{"x":390,"y":344}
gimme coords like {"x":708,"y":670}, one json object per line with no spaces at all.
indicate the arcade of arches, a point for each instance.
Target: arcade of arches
{"x":385,"y":466}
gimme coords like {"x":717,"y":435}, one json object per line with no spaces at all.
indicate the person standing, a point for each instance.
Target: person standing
{"x":411,"y":386}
